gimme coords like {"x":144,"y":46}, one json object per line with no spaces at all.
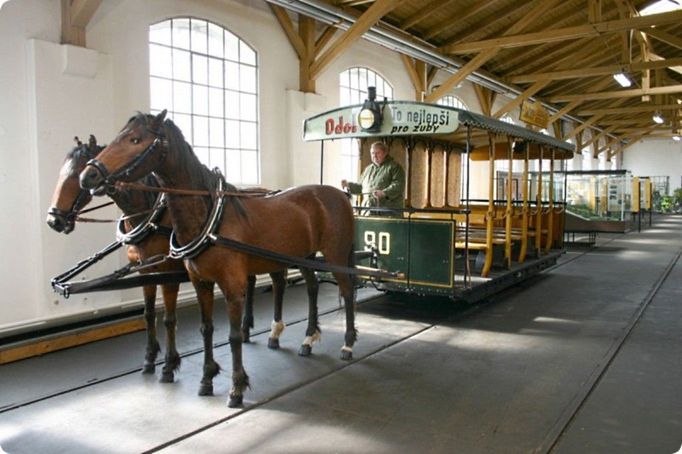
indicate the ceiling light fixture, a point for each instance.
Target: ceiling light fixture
{"x":676,"y":138}
{"x":623,"y":79}
{"x":658,"y":118}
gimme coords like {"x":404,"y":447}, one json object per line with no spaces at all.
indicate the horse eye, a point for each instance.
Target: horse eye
{"x":136,"y":140}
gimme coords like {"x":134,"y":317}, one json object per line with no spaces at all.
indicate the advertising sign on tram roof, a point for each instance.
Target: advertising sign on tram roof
{"x":399,"y":119}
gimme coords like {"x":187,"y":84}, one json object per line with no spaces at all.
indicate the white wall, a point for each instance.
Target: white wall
{"x":655,"y":157}
{"x":43,"y":107}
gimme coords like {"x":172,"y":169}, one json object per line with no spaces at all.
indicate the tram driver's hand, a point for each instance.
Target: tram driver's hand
{"x":379,"y":194}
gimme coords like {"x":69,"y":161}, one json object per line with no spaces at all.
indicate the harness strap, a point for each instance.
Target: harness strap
{"x":84,"y":264}
{"x":142,"y":231}
{"x":298,"y":261}
{"x":199,"y":243}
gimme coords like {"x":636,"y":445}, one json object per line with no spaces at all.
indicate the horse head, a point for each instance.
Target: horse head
{"x":68,"y":198}
{"x":135,"y":152}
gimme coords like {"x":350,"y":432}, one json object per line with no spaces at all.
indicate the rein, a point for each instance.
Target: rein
{"x":193,"y":192}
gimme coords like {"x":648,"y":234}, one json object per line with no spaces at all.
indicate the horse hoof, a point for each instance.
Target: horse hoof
{"x":149,"y":368}
{"x":167,"y":377}
{"x":206,"y":390}
{"x":235,"y":401}
{"x":305,"y":350}
{"x":273,"y":343}
{"x":346,"y":355}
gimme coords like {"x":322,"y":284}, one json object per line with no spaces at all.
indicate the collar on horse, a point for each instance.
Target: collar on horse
{"x":146,"y":227}
{"x":198,"y":244}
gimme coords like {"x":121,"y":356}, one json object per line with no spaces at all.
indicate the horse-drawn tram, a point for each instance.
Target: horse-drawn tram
{"x":484,"y":207}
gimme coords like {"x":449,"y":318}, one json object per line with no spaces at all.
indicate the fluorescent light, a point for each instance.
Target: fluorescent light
{"x":623,"y":80}
{"x":658,"y":118}
{"x":676,"y":138}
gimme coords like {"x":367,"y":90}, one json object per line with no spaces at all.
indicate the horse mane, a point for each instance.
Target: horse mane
{"x":190,"y":162}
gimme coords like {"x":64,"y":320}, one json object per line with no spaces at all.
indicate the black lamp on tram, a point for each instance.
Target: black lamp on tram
{"x":370,"y":116}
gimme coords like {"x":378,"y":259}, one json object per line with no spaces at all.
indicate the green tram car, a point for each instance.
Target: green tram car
{"x":477,"y":217}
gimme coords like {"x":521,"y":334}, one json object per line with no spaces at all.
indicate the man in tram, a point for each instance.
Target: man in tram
{"x":382,"y":183}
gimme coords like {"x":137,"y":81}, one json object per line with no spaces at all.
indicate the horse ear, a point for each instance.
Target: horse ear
{"x":158,"y":119}
{"x":78,"y":141}
{"x":92,"y":141}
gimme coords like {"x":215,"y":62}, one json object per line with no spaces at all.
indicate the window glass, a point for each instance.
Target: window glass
{"x":207,"y":79}
{"x":452,"y":101}
{"x":353,"y":85}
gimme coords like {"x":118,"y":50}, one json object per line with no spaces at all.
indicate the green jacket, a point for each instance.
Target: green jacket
{"x":389,"y":177}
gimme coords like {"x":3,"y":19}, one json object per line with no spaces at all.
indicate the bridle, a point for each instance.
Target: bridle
{"x":69,"y":217}
{"x":127,"y":170}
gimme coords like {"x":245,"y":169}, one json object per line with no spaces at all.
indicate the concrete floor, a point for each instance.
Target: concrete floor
{"x":559,"y":364}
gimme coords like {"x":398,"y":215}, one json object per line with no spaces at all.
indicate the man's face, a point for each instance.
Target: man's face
{"x":378,"y":155}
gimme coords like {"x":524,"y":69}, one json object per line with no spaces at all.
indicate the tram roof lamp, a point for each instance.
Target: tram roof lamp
{"x":658,"y":118}
{"x":370,"y":116}
{"x":623,"y":79}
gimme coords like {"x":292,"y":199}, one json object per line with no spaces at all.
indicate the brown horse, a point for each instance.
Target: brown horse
{"x":68,"y":199}
{"x":297,"y":222}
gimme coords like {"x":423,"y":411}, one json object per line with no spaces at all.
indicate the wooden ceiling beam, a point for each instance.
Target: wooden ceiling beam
{"x":288,"y":27}
{"x":619,"y":94}
{"x":76,"y":15}
{"x":485,"y":23}
{"x":486,"y":98}
{"x":531,"y":62}
{"x":583,"y":126}
{"x":516,"y":102}
{"x":474,"y":9}
{"x":82,"y":12}
{"x":665,"y":37}
{"x":461,"y":74}
{"x":416,"y":70}
{"x":628,"y":110}
{"x":425,"y":11}
{"x":580,"y":31}
{"x":324,"y":38}
{"x":595,"y":71}
{"x":517,"y":57}
{"x":369,"y":18}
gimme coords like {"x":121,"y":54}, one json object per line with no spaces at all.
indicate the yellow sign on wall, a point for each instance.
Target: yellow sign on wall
{"x":533,"y":113}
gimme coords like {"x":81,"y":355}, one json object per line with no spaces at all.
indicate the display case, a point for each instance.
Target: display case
{"x":598,"y":200}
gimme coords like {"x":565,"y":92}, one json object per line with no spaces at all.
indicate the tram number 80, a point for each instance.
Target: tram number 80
{"x":383,"y":245}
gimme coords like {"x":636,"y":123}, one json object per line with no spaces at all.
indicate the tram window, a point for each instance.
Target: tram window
{"x":207,"y":78}
{"x":353,"y":84}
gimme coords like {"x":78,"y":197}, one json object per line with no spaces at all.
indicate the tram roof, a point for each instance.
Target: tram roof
{"x":417,"y":119}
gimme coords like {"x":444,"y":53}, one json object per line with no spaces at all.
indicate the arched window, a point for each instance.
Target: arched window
{"x":507,"y":119}
{"x":452,"y":101}
{"x":207,"y":78}
{"x":353,"y":84}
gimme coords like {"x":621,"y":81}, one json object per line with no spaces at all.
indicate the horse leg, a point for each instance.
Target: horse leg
{"x":279,"y":282}
{"x":312,"y":333}
{"x":234,"y":296}
{"x":211,"y":368}
{"x":347,"y":292}
{"x":153,"y":348}
{"x":247,"y":321}
{"x":172,"y":360}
